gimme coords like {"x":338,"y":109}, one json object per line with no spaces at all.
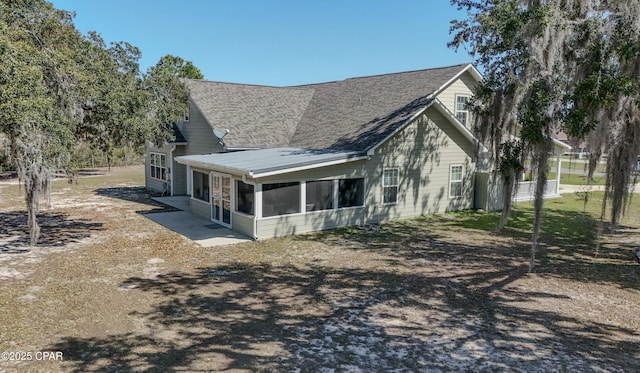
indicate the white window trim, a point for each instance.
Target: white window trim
{"x":461,"y":181}
{"x":397,"y":185}
{"x":466,"y":111}
{"x":152,"y":164}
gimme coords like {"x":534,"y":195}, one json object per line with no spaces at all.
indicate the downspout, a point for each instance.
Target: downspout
{"x":172,"y":168}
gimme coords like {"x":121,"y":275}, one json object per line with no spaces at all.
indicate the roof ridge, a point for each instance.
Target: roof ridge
{"x":460,"y":65}
{"x":304,"y":86}
{"x":243,"y":84}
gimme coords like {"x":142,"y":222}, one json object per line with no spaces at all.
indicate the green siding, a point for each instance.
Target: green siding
{"x":199,"y":133}
{"x":201,"y":140}
{"x":242,"y":223}
{"x":179,"y":173}
{"x":315,"y":221}
{"x":464,"y":86}
{"x":424,"y":151}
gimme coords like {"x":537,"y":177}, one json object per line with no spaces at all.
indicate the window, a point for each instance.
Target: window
{"x":244,"y":198}
{"x":462,"y":110}
{"x":351,"y":192}
{"x":201,"y":186}
{"x":158,"y":164}
{"x":280,"y":199}
{"x":455,"y":182}
{"x":390,"y":181}
{"x":319,"y":195}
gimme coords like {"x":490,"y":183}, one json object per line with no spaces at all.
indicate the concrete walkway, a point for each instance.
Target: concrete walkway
{"x":201,"y":231}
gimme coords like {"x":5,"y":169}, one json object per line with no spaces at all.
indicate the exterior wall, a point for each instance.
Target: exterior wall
{"x":464,"y":86}
{"x":423,"y":152}
{"x":151,"y":183}
{"x":278,"y":226}
{"x":179,"y":173}
{"x":200,"y":140}
{"x":198,"y":133}
{"x":242,"y":223}
{"x":286,"y":225}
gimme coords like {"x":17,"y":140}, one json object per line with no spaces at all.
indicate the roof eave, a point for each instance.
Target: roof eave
{"x":269,"y":172}
{"x":459,"y":126}
{"x":468,"y":68}
{"x":192,"y":163}
{"x":287,"y":170}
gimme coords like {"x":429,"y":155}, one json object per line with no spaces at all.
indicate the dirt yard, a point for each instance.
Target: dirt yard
{"x":109,"y":290}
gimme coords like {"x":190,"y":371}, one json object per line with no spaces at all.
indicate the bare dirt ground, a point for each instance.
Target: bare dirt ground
{"x":114,"y":291}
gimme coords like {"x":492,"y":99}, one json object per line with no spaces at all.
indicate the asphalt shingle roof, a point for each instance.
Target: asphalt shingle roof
{"x":352,"y":114}
{"x":256,"y":116}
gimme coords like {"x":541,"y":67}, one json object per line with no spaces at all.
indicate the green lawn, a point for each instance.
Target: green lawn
{"x":574,"y":179}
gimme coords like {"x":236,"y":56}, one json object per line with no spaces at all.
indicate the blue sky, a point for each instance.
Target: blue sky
{"x":279,"y":42}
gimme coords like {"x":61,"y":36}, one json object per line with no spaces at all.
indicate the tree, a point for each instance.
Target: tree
{"x":59,"y":87}
{"x":178,"y":67}
{"x":550,"y":66}
{"x":168,"y":93}
{"x":38,"y":47}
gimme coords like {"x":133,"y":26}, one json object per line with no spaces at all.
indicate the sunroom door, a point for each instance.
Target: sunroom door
{"x":221,"y":199}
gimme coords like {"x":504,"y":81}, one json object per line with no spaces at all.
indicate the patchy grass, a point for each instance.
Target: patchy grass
{"x":438,"y":293}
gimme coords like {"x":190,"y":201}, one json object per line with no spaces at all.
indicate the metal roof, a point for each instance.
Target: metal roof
{"x":271,"y":161}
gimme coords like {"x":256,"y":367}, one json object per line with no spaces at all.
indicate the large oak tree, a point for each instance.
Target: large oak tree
{"x":551,"y":66}
{"x":58,"y":87}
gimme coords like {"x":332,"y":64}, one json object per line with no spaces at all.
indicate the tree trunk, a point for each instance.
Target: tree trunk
{"x":542,"y":170}
{"x":509,"y":188}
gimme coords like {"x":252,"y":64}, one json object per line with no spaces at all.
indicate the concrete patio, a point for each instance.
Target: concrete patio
{"x":201,"y":231}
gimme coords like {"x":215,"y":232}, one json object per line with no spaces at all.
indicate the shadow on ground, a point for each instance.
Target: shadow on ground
{"x":56,"y":230}
{"x":136,"y":194}
{"x":448,"y":314}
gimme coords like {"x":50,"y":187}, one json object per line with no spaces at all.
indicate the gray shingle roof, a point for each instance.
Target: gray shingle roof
{"x":256,"y":116}
{"x":352,"y":114}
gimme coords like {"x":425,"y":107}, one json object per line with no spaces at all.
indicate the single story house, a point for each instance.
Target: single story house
{"x":275,"y":161}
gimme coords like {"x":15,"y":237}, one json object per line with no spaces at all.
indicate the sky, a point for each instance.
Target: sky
{"x":279,"y":42}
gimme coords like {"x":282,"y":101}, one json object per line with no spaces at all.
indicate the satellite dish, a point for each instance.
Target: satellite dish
{"x":220,"y":133}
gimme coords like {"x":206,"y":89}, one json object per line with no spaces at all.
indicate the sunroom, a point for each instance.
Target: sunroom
{"x":274,"y":192}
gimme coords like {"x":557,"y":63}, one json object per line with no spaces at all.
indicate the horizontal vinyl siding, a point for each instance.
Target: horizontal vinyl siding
{"x":179,"y":173}
{"x":423,"y":152}
{"x":314,"y":221}
{"x":199,"y":134}
{"x":242,"y":223}
{"x":464,"y":85}
{"x":200,"y":208}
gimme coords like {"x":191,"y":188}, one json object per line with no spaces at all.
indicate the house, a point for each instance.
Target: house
{"x":275,"y":161}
